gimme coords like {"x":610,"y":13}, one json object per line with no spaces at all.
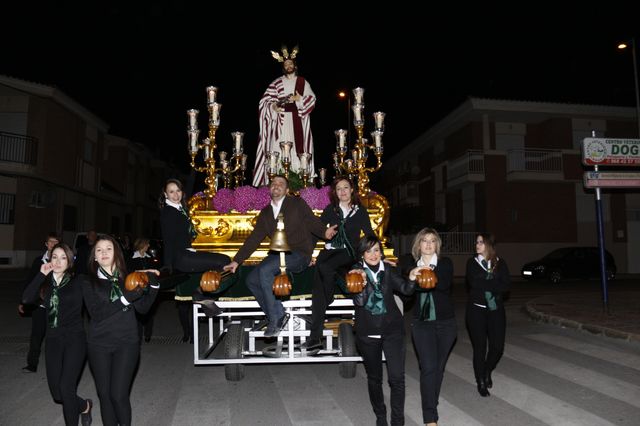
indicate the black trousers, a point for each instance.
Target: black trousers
{"x":113,"y":368}
{"x":484,"y":327}
{"x":64,"y":358}
{"x":190,"y":261}
{"x":433,"y":341}
{"x":371,"y":350}
{"x":38,"y":331}
{"x":328,"y":264}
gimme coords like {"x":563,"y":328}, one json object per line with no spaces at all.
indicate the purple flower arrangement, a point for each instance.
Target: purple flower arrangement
{"x":246,"y":198}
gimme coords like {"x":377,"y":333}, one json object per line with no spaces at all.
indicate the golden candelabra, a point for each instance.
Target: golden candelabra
{"x":232,"y":170}
{"x":356,"y":166}
{"x":277,"y":161}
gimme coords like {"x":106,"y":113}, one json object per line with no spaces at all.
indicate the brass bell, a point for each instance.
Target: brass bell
{"x":279,"y":238}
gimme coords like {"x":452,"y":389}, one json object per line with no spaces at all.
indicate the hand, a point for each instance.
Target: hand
{"x":295,"y":97}
{"x":276,"y":108}
{"x":415,"y":271}
{"x":46,"y":268}
{"x":150,"y":271}
{"x":390,"y":262}
{"x":361,"y":272}
{"x":330,"y":232}
{"x":132,"y":295}
{"x":231,"y":267}
{"x":21,"y":309}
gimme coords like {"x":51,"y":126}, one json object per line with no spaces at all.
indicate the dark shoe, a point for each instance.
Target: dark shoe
{"x":275,"y":329}
{"x":210,"y":308}
{"x":147,"y":339}
{"x":29,"y":369}
{"x":487,"y":380}
{"x":482,"y":388}
{"x":311,"y":344}
{"x":85,"y":418}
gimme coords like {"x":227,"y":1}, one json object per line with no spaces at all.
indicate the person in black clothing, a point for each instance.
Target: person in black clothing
{"x":352,"y":219}
{"x":380,"y":327}
{"x":37,"y":309}
{"x":177,"y":234}
{"x":82,"y":257}
{"x":66,"y":346}
{"x":114,"y":343}
{"x":434,"y":326}
{"x":487,"y":279}
{"x":141,"y":260}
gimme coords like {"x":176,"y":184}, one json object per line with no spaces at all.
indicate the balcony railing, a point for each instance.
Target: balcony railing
{"x":18,"y":148}
{"x":470,"y":163}
{"x":534,"y":161}
{"x":458,"y":242}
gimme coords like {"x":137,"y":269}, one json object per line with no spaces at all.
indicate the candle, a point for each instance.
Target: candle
{"x":193,"y":118}
{"x":323,"y":175}
{"x":237,"y":138}
{"x":377,"y":138}
{"x":357,"y":113}
{"x":285,"y":147}
{"x":273,"y":159}
{"x":207,"y":148}
{"x":212,"y":91}
{"x":193,"y":139}
{"x":243,"y":162}
{"x":358,"y":94}
{"x":335,"y":159}
{"x":341,"y":137}
{"x":304,"y":161}
{"x":224,"y":163}
{"x":379,"y":119}
{"x":223,"y":155}
{"x":214,"y":113}
{"x":354,"y":154}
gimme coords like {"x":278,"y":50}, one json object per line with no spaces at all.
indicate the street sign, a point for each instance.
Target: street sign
{"x":610,"y":152}
{"x":611,"y":180}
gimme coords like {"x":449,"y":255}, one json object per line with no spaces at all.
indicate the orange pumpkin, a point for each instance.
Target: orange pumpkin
{"x":355,"y":282}
{"x":210,"y":281}
{"x":136,"y":280}
{"x":282,"y":285}
{"x":427,"y":279}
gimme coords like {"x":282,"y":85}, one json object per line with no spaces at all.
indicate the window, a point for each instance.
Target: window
{"x":7,"y":208}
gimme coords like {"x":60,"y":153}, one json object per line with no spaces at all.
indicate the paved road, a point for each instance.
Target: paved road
{"x":549,"y":375}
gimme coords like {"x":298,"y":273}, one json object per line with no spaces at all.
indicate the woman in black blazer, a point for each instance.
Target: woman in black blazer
{"x":434,"y":326}
{"x":66,"y":342}
{"x":177,"y":234}
{"x":114,"y":342}
{"x":380,"y":327}
{"x":339,"y":254}
{"x":487,"y":279}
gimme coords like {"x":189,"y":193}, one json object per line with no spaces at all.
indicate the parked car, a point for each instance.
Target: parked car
{"x":570,"y":262}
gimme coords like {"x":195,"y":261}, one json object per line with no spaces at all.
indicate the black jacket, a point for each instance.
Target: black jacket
{"x":441,"y":292}
{"x":355,"y":224}
{"x":478,"y":283}
{"x":391,"y":322}
{"x":175,"y":234}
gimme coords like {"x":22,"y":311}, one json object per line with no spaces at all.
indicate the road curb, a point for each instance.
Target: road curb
{"x":539,"y":316}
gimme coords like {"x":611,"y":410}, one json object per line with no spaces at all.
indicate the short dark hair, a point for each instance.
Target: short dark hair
{"x":281,"y":177}
{"x":53,"y":235}
{"x":162,"y":197}
{"x":366,"y":243}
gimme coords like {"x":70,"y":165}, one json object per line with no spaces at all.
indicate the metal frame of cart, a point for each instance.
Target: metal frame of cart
{"x":236,"y":332}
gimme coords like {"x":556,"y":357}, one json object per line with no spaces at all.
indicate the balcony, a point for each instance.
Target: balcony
{"x":18,"y":149}
{"x":467,"y":168}
{"x":534,"y":164}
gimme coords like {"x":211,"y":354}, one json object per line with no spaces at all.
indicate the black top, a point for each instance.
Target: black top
{"x":176,"y":234}
{"x":114,"y":323}
{"x":441,"y":292}
{"x":358,"y":222}
{"x":69,"y":305}
{"x":478,"y":283}
{"x":391,"y":322}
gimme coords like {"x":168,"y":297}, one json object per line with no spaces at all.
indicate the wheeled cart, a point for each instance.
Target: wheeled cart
{"x":239,"y":329}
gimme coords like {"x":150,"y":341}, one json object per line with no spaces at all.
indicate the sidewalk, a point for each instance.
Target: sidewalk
{"x":585,"y":311}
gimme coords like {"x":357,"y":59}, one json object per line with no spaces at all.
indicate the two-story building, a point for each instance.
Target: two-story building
{"x":61,"y":170}
{"x":512,"y":168}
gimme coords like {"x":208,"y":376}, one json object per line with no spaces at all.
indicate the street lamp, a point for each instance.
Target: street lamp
{"x":344,"y":94}
{"x":622,"y":46}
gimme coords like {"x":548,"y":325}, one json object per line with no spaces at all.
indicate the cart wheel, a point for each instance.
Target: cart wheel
{"x":347,"y":347}
{"x":234,"y":343}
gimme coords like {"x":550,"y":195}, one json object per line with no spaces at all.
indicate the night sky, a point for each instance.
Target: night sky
{"x":139,"y":65}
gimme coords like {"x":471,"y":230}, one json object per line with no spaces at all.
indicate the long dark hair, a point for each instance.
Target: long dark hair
{"x":162,"y":197}
{"x":489,"y":246}
{"x":118,"y":258}
{"x":333,"y":196}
